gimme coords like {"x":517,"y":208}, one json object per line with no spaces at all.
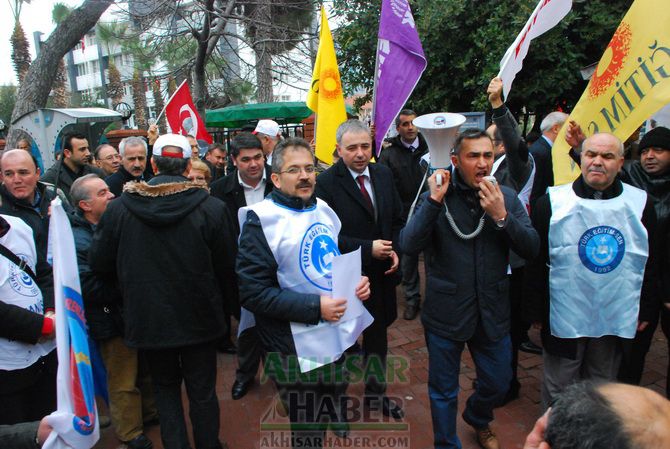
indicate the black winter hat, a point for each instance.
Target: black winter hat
{"x":658,"y":137}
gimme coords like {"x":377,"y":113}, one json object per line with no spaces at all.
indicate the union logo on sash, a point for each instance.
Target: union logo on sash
{"x":317,"y":251}
{"x":20,"y":281}
{"x":601,"y":249}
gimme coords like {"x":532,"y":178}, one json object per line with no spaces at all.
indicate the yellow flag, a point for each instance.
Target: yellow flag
{"x":631,"y":82}
{"x":325,"y":94}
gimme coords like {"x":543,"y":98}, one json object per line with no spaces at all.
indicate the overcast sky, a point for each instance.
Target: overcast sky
{"x":35,"y":16}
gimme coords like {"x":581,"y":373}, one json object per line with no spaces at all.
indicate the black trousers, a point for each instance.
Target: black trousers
{"x":249,"y":354}
{"x":196,"y":366}
{"x":634,"y":353}
{"x":665,"y":325}
{"x":375,"y":348}
{"x":518,"y":327}
{"x":312,"y":399}
{"x":29,"y":394}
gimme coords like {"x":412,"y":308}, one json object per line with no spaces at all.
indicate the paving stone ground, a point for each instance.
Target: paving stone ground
{"x":241,"y":420}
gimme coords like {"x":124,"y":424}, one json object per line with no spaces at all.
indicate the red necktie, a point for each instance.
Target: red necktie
{"x":364,"y":191}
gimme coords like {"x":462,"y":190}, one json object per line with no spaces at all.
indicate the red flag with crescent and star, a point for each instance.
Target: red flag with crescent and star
{"x":183,"y":117}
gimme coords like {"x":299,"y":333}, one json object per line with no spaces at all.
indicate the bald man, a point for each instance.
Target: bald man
{"x":593,"y":285}
{"x":605,"y":416}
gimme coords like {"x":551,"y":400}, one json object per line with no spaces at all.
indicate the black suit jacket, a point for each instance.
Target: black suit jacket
{"x":229,"y":190}
{"x":360,"y":227}
{"x":544,"y":168}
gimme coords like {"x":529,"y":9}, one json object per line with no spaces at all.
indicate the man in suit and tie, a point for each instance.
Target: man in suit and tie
{"x":247,"y":185}
{"x":365,"y":199}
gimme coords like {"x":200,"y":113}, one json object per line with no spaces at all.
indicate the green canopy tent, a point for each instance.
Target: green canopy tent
{"x":239,"y":115}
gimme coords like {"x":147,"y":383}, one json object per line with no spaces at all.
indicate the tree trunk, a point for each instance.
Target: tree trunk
{"x":140,"y":100}
{"x":34,"y":91}
{"x":263,"y":16}
{"x":60,"y":93}
{"x":159,"y":104}
{"x":114,"y":84}
{"x":20,"y":52}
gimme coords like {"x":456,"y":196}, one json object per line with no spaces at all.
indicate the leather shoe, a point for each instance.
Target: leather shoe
{"x":411,"y":311}
{"x":530,"y":347}
{"x":240,"y":388}
{"x":139,"y":442}
{"x":486,"y":438}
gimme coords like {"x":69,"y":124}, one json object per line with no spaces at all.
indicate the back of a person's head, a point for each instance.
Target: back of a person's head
{"x":583,"y":418}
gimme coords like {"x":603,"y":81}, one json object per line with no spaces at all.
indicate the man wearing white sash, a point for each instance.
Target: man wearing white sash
{"x":27,"y":358}
{"x":286,"y":247}
{"x":593,"y":282}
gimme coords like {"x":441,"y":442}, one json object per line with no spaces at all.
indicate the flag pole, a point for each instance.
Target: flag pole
{"x":374,"y":85}
{"x":168,"y":101}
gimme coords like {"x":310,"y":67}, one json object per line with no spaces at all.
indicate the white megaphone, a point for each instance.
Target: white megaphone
{"x":440,"y":130}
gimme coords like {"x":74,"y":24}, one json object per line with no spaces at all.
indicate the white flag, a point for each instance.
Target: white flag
{"x":546,"y":15}
{"x":75,"y":423}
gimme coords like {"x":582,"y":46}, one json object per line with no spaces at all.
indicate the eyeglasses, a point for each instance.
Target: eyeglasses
{"x":309,"y":169}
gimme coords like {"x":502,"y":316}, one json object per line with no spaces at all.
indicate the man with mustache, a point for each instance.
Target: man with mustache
{"x":593,"y":283}
{"x":74,"y":164}
{"x":134,"y":154}
{"x":284,"y":275}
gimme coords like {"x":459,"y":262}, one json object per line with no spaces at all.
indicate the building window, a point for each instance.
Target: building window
{"x":82,"y":69}
{"x":285,"y":98}
{"x":95,"y":66}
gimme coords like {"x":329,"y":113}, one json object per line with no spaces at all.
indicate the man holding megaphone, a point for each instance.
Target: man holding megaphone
{"x":467,"y":226}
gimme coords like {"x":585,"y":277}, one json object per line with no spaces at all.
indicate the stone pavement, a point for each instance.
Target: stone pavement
{"x":241,"y":420}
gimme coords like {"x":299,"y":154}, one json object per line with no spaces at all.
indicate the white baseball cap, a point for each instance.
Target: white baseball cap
{"x":267,"y":127}
{"x":172,"y":140}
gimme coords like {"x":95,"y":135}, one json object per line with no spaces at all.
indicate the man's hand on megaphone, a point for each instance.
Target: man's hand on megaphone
{"x":437,"y":193}
{"x":492,"y":200}
{"x":495,"y":92}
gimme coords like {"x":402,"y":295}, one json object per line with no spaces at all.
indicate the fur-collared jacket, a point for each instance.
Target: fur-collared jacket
{"x":173,"y":248}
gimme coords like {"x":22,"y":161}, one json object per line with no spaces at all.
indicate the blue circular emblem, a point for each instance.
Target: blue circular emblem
{"x":20,"y":281}
{"x":317,"y":251}
{"x":601,"y":249}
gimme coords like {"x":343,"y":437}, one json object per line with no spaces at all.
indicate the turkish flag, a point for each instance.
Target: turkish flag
{"x":182,"y":116}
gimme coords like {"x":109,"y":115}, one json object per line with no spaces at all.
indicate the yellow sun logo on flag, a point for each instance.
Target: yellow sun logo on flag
{"x":612,"y":61}
{"x":329,"y":84}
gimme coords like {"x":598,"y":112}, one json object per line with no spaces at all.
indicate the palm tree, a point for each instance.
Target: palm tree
{"x":274,"y":27}
{"x":110,"y":34}
{"x":140,"y":100}
{"x":20,"y":46}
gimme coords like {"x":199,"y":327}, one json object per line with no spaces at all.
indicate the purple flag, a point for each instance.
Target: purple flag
{"x":400,"y":63}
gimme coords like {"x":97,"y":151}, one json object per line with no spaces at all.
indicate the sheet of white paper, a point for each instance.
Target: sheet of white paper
{"x":346,"y":273}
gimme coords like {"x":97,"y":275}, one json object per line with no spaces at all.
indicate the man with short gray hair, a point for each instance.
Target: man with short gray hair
{"x":593,"y":283}
{"x":541,"y":151}
{"x":134,"y":152}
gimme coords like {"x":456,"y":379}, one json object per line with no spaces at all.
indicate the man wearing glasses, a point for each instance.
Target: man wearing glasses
{"x":286,"y":248}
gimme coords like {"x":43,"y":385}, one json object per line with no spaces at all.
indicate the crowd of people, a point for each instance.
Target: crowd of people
{"x":171,"y":245}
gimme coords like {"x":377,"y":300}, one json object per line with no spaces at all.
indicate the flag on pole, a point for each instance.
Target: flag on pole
{"x":400,"y":64}
{"x":631,"y":82}
{"x":75,"y":422}
{"x":546,"y":15}
{"x":183,"y":117}
{"x":325,"y":94}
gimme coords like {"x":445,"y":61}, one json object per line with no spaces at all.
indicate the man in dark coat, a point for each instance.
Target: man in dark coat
{"x":282,"y":292}
{"x":216,"y":159}
{"x":247,"y":185}
{"x":467,"y":227}
{"x":583,"y":227}
{"x":76,"y":162}
{"x":173,"y":248}
{"x":134,"y":152}
{"x":131,"y":401}
{"x":403,"y":157}
{"x":541,"y":151}
{"x":364,"y":197}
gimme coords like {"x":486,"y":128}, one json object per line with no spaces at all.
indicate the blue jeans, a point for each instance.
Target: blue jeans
{"x":492,"y":362}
